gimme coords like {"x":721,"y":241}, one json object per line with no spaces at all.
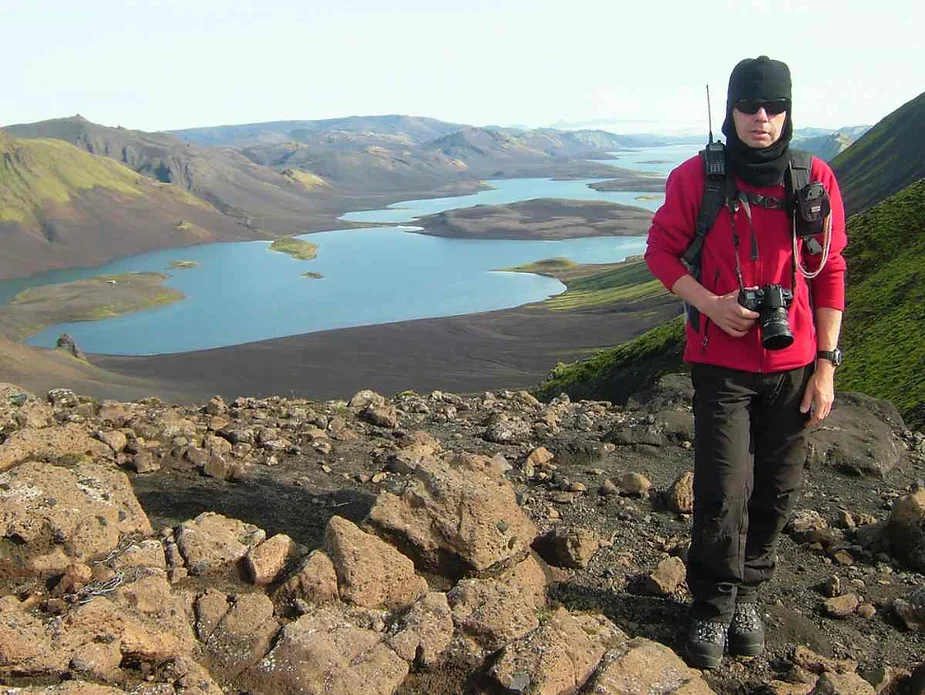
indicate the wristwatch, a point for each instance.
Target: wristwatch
{"x":833,"y":356}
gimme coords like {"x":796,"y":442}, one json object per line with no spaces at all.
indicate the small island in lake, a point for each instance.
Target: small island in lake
{"x":103,"y":297}
{"x":312,"y":275}
{"x":539,"y":219}
{"x":183,"y":265}
{"x":297,"y":248}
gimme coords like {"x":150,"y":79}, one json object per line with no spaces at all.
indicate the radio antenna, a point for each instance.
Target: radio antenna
{"x":709,"y":117}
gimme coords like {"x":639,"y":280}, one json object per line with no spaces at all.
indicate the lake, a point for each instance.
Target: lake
{"x":243,"y":292}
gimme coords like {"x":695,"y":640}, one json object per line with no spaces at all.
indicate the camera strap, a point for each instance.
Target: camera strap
{"x":743,"y":200}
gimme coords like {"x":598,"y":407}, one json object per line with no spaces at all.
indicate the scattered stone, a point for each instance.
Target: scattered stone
{"x":460,"y":509}
{"x":50,"y":443}
{"x":867,"y":610}
{"x":212,"y":542}
{"x":634,"y":484}
{"x":842,"y":606}
{"x":242,"y":634}
{"x":666,"y":578}
{"x":642,"y":666}
{"x":557,"y":657}
{"x":491,"y":613}
{"x":423,"y":634}
{"x":567,"y":546}
{"x":370,"y":572}
{"x":906,"y":528}
{"x":266,"y":561}
{"x":314,"y":582}
{"x":508,"y":432}
{"x":911,"y":610}
{"x":324,"y":653}
{"x":608,"y":488}
{"x":380,"y":415}
{"x":842,"y":684}
{"x":680,"y":496}
{"x":365,"y":398}
{"x":539,"y":457}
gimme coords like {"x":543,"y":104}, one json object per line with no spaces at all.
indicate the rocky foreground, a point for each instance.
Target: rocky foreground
{"x":429,"y":544}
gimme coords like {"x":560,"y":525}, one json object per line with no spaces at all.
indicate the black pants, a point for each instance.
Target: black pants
{"x":748,"y":468}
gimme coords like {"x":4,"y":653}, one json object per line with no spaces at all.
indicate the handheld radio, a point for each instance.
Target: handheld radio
{"x":714,"y":152}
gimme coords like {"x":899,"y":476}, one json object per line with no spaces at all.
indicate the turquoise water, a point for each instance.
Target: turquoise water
{"x":243,"y":292}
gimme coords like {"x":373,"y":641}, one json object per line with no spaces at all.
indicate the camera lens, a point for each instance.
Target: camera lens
{"x":775,"y":329}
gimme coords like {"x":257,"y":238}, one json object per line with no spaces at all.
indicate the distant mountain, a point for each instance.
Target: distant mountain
{"x":61,"y":206}
{"x":417,"y":130}
{"x":824,"y":146}
{"x":257,"y":196}
{"x":886,"y":159}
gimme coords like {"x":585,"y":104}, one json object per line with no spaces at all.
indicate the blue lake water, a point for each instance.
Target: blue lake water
{"x":243,"y":292}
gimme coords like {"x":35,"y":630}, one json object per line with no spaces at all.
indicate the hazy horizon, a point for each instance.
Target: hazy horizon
{"x":171,"y":65}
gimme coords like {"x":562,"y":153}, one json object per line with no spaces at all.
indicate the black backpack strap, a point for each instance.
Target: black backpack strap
{"x":716,"y":190}
{"x":801,"y":164}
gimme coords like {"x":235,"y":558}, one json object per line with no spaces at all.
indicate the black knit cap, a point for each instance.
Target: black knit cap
{"x":761,"y":79}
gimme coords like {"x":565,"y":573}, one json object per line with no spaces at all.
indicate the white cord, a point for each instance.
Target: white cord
{"x":826,"y":244}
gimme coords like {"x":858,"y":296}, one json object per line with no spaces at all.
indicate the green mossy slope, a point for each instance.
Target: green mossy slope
{"x":886,"y":159}
{"x":884,"y":334}
{"x":36,"y":172}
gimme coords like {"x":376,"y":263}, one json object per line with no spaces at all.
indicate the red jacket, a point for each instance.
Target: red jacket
{"x":671,"y":233}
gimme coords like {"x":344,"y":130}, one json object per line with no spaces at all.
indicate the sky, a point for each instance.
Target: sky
{"x":634,"y":67}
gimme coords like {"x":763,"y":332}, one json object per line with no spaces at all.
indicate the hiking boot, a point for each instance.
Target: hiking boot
{"x":746,"y":634}
{"x":706,"y":642}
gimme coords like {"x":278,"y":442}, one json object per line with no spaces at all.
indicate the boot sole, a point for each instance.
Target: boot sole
{"x":743,"y":648}
{"x":705,"y":662}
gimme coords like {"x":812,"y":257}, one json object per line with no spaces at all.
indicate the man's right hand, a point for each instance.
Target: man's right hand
{"x":726,"y":312}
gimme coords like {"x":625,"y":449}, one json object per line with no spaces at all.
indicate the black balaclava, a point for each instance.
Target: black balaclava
{"x":761,"y":79}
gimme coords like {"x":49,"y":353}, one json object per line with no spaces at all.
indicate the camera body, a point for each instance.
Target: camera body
{"x":771,"y":302}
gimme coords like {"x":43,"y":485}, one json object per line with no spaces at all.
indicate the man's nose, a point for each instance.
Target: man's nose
{"x":761,"y":114}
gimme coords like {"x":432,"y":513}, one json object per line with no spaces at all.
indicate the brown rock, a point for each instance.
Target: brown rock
{"x":666,"y":578}
{"x":680,"y":497}
{"x":50,"y":443}
{"x":841,"y":606}
{"x":491,"y":613}
{"x":144,"y":462}
{"x":567,"y":546}
{"x":807,"y":659}
{"x":365,"y":398}
{"x":640,"y":667}
{"x":634,"y":483}
{"x":906,"y":528}
{"x":114,"y":439}
{"x":370,"y":572}
{"x":380,"y":415}
{"x":323,"y":654}
{"x":212,"y":542}
{"x":911,"y":610}
{"x":266,"y":562}
{"x":539,"y":457}
{"x":55,"y":512}
{"x":842,"y":684}
{"x":463,"y":509}
{"x":425,"y":631}
{"x":98,"y":661}
{"x":558,"y":657}
{"x":243,"y":634}
{"x":529,"y":578}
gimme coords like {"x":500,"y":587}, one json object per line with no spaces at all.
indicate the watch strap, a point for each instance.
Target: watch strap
{"x":833,"y":356}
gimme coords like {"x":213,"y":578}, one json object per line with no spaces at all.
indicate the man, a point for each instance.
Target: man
{"x":752,"y":399}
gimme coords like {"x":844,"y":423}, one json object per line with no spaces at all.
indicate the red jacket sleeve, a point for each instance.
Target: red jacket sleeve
{"x":828,"y":287}
{"x":674,"y":223}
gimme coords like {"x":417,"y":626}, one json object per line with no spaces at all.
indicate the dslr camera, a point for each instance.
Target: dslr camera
{"x":771,"y":302}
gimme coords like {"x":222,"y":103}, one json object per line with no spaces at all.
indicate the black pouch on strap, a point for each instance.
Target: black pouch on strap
{"x":812,"y":207}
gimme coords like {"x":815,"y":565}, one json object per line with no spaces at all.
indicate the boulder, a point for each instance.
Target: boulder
{"x":212,"y":542}
{"x":641,"y":666}
{"x":859,"y":437}
{"x":54,"y":513}
{"x":567,"y":546}
{"x":380,"y":415}
{"x":365,"y":398}
{"x":906,"y":529}
{"x":459,"y":515}
{"x":241,"y":635}
{"x":424,"y":632}
{"x":370,"y":572}
{"x":842,"y":684}
{"x":558,"y":657}
{"x":324,"y":654}
{"x":265,"y":562}
{"x":50,"y":443}
{"x":680,"y":496}
{"x":20,"y":409}
{"x":666,"y":578}
{"x":314,"y":582}
{"x":491,"y":613}
{"x":911,"y":610}
{"x":508,"y":432}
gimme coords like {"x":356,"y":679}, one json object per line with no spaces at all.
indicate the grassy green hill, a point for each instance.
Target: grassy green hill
{"x":886,"y":159}
{"x":883,"y":327}
{"x":885,"y":316}
{"x":61,"y":206}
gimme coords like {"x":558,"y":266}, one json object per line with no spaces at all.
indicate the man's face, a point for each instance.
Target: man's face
{"x":759,"y":129}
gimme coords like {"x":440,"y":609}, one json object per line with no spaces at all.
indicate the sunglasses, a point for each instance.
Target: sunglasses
{"x":772,"y":107}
